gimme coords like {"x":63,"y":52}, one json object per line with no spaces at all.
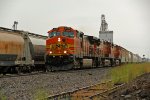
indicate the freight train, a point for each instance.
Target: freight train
{"x":67,"y":48}
{"x":64,"y":48}
{"x":20,"y":51}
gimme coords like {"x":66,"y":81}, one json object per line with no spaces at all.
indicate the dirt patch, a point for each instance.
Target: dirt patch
{"x":138,"y":89}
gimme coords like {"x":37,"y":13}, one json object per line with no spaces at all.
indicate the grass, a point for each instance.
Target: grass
{"x":40,"y":94}
{"x":128,"y":72}
{"x":2,"y":96}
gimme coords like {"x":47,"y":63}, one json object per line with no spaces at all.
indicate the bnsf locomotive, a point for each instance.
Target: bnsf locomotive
{"x":67,"y":48}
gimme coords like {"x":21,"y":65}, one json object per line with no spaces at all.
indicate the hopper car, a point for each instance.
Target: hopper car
{"x":20,"y":50}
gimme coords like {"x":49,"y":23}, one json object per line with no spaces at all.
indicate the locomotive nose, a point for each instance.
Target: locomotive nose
{"x":58,"y":45}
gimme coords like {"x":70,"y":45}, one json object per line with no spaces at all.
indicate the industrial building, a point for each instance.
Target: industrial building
{"x":104,"y":33}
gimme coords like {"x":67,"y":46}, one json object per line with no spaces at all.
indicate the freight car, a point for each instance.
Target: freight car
{"x":67,"y":48}
{"x":129,"y":57}
{"x":20,"y":50}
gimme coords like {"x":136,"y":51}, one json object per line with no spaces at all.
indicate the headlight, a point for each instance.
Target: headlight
{"x":65,"y":51}
{"x":50,"y":52}
{"x":59,"y":40}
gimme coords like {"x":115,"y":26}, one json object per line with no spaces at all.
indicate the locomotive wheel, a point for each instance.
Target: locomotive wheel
{"x":18,"y":70}
{"x":28,"y":69}
{"x":5,"y":70}
{"x":12,"y":70}
{"x":49,"y":68}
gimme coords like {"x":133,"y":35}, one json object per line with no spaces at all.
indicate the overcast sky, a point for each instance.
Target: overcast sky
{"x":129,"y":19}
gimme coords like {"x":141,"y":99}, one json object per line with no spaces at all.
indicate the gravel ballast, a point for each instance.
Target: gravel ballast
{"x":30,"y":87}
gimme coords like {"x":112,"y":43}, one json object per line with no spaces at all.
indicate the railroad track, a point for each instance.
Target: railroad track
{"x":93,"y":92}
{"x":22,"y":74}
{"x":42,"y":72}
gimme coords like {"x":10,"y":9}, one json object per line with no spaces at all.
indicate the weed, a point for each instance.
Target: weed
{"x":40,"y":94}
{"x":128,"y":72}
{"x":2,"y":96}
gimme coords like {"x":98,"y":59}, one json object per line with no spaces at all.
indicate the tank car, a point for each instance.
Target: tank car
{"x":20,"y":50}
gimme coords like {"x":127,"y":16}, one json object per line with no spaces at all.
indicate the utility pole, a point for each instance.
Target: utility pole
{"x":144,"y":59}
{"x":15,"y":25}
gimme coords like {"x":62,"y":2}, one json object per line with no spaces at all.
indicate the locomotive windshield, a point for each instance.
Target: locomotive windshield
{"x":68,"y":34}
{"x":54,"y":34}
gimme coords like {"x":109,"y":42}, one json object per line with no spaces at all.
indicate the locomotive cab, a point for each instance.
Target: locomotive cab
{"x":59,"y":41}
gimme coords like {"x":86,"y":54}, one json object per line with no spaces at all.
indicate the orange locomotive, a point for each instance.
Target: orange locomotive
{"x":68,"y":48}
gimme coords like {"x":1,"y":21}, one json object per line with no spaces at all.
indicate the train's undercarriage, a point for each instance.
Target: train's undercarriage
{"x":54,"y":63}
{"x":110,"y":62}
{"x":59,"y":62}
{"x":67,"y":62}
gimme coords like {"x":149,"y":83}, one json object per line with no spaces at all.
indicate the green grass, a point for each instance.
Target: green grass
{"x":40,"y":94}
{"x":2,"y":96}
{"x":128,"y":72}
